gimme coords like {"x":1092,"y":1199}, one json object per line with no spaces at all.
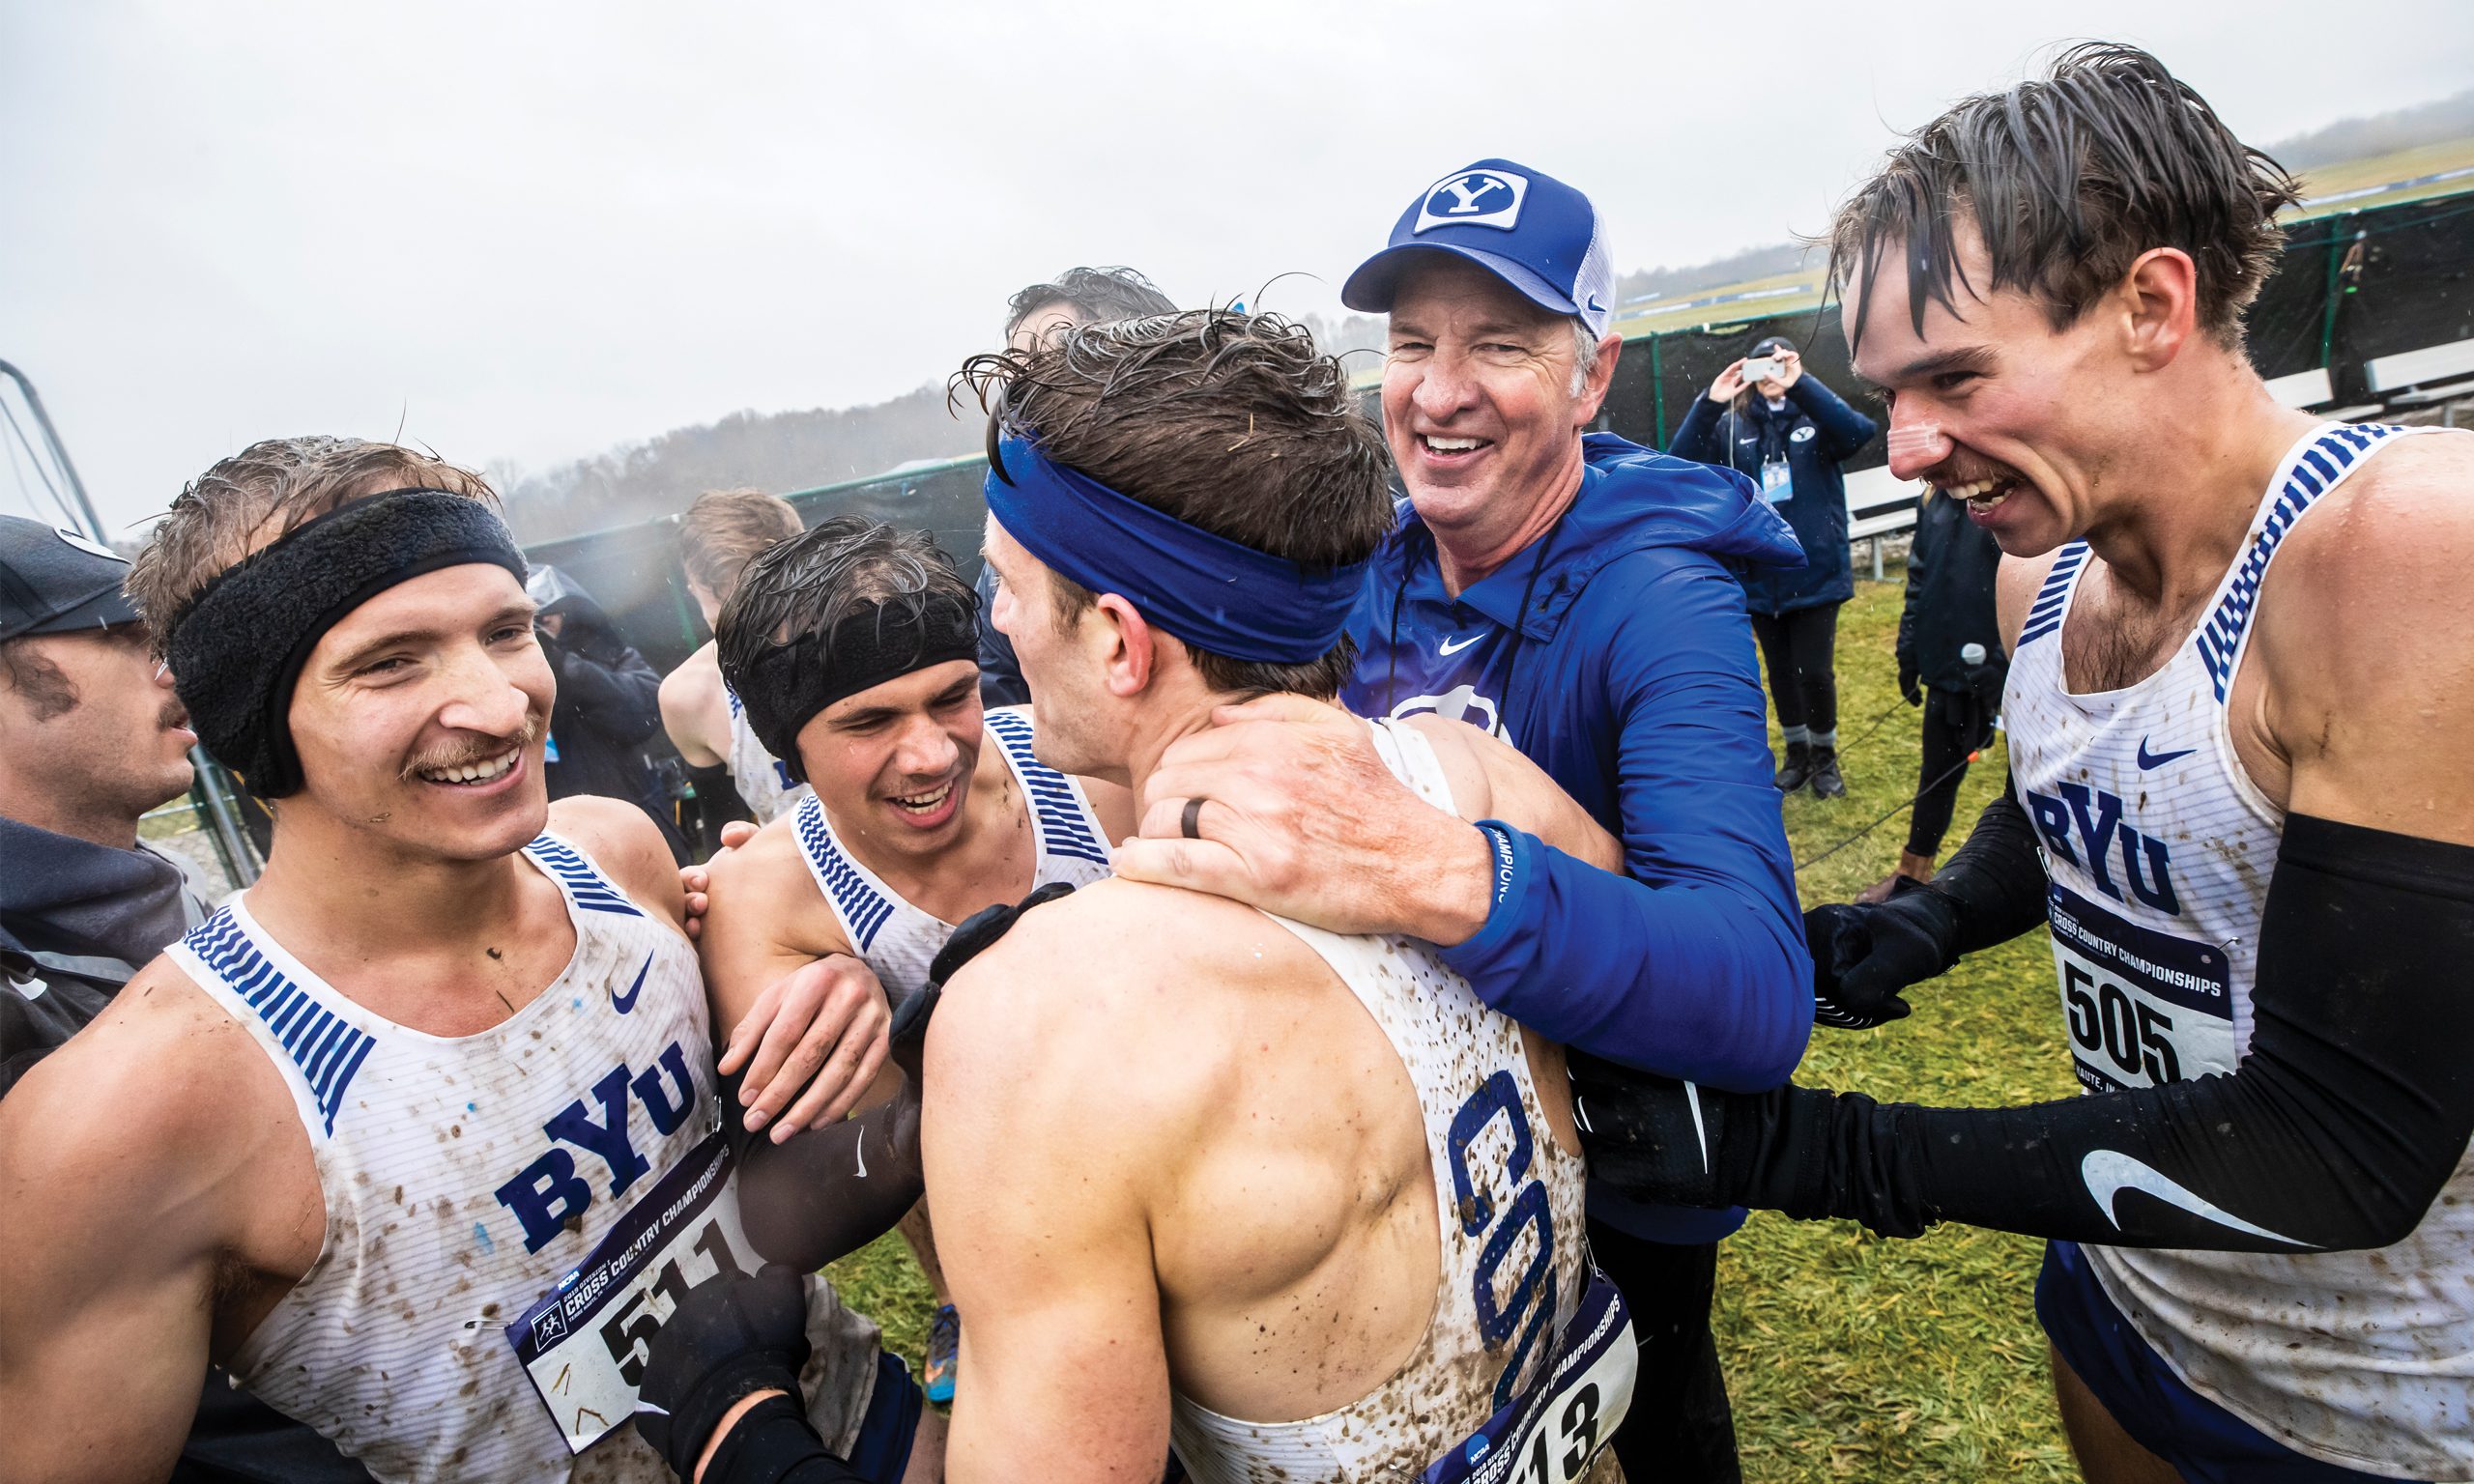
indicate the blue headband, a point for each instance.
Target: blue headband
{"x":1219,"y":596}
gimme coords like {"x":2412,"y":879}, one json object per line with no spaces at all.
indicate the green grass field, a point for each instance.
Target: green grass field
{"x":1849,"y":1357}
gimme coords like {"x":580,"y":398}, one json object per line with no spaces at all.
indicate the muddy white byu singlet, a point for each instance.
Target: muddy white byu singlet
{"x":898,"y":940}
{"x":2160,"y":849}
{"x":511,"y":1215}
{"x":1515,"y":1266}
{"x":756,"y":774}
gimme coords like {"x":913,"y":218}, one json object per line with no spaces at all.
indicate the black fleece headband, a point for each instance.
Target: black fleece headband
{"x":788,"y":684}
{"x":237,"y":648}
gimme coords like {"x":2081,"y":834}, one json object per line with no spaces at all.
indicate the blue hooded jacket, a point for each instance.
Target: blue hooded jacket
{"x":1614,"y":653}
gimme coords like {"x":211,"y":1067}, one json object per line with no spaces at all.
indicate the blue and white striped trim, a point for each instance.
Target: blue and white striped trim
{"x":2044,"y":616}
{"x":864,"y":909}
{"x":584,"y":883}
{"x":2319,"y":469}
{"x":327,"y":1048}
{"x":1064,"y":827}
{"x":738,"y":708}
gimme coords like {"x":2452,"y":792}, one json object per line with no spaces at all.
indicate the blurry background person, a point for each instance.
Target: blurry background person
{"x":722,"y":531}
{"x":1079,"y":296}
{"x":609,"y":704}
{"x":1788,"y":433}
{"x":91,"y":738}
{"x":1950,"y":662}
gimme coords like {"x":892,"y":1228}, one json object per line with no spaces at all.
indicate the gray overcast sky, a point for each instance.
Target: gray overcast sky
{"x":536,"y":231}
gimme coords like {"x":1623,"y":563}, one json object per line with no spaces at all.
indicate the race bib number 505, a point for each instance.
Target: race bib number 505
{"x":584,"y":1344}
{"x":2142,"y":1008}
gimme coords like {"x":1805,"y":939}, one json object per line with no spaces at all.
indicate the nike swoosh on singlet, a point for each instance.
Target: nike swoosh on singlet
{"x":1447,"y":646}
{"x":2148,"y":760}
{"x":2108,"y":1174}
{"x":624,"y":1003}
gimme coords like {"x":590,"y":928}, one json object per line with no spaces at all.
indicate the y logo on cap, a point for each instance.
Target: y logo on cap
{"x":1473,"y":198}
{"x":88,"y":547}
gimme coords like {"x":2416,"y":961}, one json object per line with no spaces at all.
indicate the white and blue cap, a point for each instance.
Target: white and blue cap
{"x":1524,"y":226}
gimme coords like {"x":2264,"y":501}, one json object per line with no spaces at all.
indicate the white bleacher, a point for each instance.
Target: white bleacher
{"x":2303,"y":388}
{"x":1879,"y":504}
{"x":2414,"y":369}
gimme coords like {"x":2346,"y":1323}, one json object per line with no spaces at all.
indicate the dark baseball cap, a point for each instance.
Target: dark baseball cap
{"x":57,"y":582}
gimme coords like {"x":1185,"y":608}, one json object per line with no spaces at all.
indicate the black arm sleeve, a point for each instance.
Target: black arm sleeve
{"x":773,"y":1443}
{"x":2338,"y":1130}
{"x":824,"y":1193}
{"x":1996,"y":881}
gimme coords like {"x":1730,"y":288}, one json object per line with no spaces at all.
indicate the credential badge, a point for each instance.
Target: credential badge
{"x":1473,"y":198}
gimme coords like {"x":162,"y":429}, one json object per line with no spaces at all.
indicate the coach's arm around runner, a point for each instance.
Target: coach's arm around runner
{"x":2354,"y":1101}
{"x":1685,"y":958}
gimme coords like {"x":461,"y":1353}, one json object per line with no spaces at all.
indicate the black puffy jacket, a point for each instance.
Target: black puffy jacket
{"x":1949,"y":603}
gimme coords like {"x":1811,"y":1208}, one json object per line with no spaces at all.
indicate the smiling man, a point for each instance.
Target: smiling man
{"x":2238,"y":641}
{"x":1575,"y":595}
{"x":852,"y":648}
{"x":413,"y":1135}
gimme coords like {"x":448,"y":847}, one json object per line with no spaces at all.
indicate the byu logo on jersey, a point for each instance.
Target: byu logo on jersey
{"x":2085,"y":827}
{"x":1473,"y":198}
{"x":548,"y":1192}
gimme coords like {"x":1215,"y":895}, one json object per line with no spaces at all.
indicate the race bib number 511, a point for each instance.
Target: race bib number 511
{"x":585,"y":1345}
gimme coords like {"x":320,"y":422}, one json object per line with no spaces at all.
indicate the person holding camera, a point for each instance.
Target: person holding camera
{"x":1950,"y":664}
{"x":1785,"y":431}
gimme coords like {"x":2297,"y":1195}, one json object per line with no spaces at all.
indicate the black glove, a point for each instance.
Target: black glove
{"x":1864,"y":956}
{"x":1909,"y":679}
{"x":732,"y":1338}
{"x":907,"y":1035}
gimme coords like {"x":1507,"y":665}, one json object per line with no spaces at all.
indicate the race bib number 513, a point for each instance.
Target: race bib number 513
{"x":584,"y":1344}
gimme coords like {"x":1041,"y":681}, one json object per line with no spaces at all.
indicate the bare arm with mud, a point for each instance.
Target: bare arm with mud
{"x":157,"y":1196}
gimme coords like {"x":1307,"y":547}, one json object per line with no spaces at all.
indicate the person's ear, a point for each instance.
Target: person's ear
{"x":1129,"y":648}
{"x":2158,"y":305}
{"x":1610,"y":350}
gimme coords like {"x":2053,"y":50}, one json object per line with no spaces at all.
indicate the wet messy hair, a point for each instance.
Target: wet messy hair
{"x":263,"y":493}
{"x":1096,"y":293}
{"x":1233,"y":423}
{"x":2068,"y":179}
{"x":723,"y":530}
{"x":799,"y":591}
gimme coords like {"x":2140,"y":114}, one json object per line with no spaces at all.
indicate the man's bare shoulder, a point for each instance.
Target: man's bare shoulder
{"x":2014,"y":587}
{"x":164,"y":1085}
{"x":692,"y":708}
{"x":2402,"y":528}
{"x":626,"y":842}
{"x":1491,"y":779}
{"x":1119,"y":994}
{"x":763,"y":892}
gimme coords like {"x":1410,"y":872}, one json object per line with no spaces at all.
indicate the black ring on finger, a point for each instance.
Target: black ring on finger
{"x":1189,"y":822}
